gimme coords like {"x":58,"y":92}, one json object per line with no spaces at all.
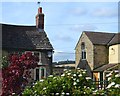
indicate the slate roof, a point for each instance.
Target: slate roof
{"x":115,"y":39}
{"x":24,"y":37}
{"x":99,"y":38}
{"x":104,"y":67}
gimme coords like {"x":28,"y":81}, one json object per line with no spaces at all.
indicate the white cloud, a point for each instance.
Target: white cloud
{"x":63,"y":37}
{"x":78,"y":11}
{"x":80,"y":28}
{"x":105,"y":12}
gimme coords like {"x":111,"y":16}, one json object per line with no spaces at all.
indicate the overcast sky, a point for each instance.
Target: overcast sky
{"x":64,"y":21}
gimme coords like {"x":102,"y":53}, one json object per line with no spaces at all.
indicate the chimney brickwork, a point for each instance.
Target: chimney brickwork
{"x":40,"y":19}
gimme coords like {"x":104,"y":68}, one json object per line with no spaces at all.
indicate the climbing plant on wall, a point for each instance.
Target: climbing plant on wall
{"x":15,"y":72}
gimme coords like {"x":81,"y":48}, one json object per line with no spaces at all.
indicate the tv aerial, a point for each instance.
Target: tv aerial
{"x":38,"y":3}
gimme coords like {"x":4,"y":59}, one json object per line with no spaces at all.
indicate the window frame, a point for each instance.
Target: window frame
{"x":83,"y":51}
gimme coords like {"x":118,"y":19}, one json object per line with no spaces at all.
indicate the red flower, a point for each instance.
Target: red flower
{"x":14,"y":58}
{"x":22,"y":58}
{"x":14,"y":73}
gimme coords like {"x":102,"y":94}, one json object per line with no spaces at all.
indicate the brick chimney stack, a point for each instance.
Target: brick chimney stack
{"x":40,"y":19}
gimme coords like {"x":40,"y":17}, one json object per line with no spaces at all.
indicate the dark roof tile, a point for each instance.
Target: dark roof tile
{"x":24,"y":37}
{"x":104,"y":67}
{"x":115,"y":40}
{"x":99,"y":37}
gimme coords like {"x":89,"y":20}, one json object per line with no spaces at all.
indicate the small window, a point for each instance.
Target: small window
{"x":38,"y":54}
{"x":83,"y":53}
{"x":83,"y":46}
{"x":37,"y":74}
{"x":42,"y":73}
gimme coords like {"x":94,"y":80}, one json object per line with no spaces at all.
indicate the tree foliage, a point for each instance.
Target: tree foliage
{"x":15,"y":72}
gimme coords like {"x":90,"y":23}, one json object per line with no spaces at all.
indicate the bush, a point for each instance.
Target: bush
{"x":113,"y":87}
{"x":72,"y":83}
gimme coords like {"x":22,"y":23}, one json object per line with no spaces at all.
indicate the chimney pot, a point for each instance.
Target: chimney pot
{"x":39,"y":10}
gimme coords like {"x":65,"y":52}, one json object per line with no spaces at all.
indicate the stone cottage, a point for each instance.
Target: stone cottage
{"x":92,"y":53}
{"x":20,"y":38}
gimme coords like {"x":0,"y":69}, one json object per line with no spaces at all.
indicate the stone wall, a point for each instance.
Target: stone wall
{"x":88,"y":48}
{"x":88,"y":63}
{"x":100,"y":55}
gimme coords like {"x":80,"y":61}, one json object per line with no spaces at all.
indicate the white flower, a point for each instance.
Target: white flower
{"x":41,"y":80}
{"x":110,"y":85}
{"x":78,"y":68}
{"x":44,"y":88}
{"x":117,"y":75}
{"x":77,"y":80}
{"x":88,"y":87}
{"x":35,"y":83}
{"x":71,"y":77}
{"x":88,"y":78}
{"x":50,"y":76}
{"x":113,"y":83}
{"x":67,"y":93}
{"x":63,"y":75}
{"x":13,"y":93}
{"x":54,"y":77}
{"x":74,"y":74}
{"x":65,"y":69}
{"x":116,"y":71}
{"x":69,"y":73}
{"x":74,"y":83}
{"x":80,"y":75}
{"x":63,"y":93}
{"x":95,"y":90}
{"x":74,"y":79}
{"x":84,"y":92}
{"x":57,"y":93}
{"x":109,"y":74}
{"x":84,"y":72}
{"x":117,"y":86}
{"x":109,"y":78}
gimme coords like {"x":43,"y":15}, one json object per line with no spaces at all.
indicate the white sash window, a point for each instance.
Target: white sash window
{"x":39,"y":73}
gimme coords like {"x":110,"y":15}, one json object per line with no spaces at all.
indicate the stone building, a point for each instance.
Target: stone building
{"x":92,"y":53}
{"x":20,"y":38}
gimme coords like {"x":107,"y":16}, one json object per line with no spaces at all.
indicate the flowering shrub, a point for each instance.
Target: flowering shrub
{"x":14,"y":74}
{"x":71,"y":83}
{"x":113,"y":87}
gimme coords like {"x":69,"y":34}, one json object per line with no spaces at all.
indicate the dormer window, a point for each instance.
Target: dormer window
{"x":83,"y":53}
